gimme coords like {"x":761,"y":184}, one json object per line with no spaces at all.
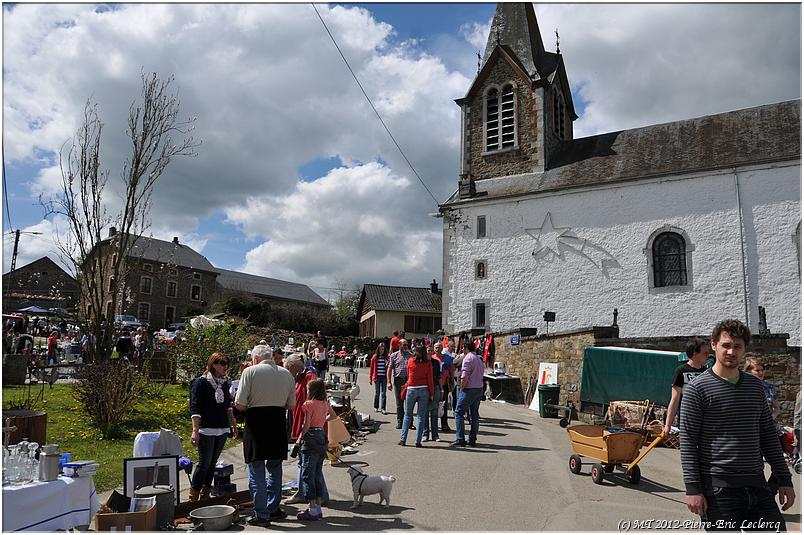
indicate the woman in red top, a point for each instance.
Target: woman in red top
{"x":420,"y":390}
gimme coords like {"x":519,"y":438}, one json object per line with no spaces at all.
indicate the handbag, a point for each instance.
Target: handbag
{"x":403,"y":391}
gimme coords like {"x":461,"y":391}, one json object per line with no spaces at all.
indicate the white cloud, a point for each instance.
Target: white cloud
{"x":272,"y":93}
{"x":310,"y":236}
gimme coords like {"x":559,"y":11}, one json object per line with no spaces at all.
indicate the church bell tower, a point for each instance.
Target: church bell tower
{"x":518,"y":110}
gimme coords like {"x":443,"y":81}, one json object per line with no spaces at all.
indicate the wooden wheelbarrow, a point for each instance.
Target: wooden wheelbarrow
{"x":611,"y":450}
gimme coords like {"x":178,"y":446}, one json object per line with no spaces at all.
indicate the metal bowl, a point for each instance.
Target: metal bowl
{"x":214,"y":517}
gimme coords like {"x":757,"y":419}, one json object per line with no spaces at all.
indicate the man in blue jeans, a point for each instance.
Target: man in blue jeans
{"x":469,"y":396}
{"x":265,"y":393}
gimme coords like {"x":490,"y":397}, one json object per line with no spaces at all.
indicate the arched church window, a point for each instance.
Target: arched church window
{"x":492,"y":120}
{"x":500,"y":118}
{"x":669,"y":260}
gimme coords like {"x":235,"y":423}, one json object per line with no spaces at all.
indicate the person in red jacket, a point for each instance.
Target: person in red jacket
{"x":378,"y":368}
{"x":420,"y":390}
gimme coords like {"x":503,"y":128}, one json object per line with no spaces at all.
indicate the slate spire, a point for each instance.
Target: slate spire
{"x":515,"y":25}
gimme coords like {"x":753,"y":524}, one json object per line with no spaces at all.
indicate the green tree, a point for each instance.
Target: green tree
{"x":198,"y":343}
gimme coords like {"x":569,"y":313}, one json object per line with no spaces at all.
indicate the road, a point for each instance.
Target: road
{"x":515,"y":480}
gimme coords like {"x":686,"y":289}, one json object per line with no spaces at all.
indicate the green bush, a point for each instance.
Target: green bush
{"x":198,"y":343}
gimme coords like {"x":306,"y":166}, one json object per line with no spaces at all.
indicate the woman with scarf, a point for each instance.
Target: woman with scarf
{"x":213,"y":421}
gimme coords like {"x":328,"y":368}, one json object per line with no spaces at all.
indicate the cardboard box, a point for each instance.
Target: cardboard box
{"x":140,"y":521}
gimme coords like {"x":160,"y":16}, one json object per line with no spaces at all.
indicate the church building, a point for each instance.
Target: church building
{"x":676,"y":225}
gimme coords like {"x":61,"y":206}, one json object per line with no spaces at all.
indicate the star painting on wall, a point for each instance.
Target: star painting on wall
{"x":553,"y":241}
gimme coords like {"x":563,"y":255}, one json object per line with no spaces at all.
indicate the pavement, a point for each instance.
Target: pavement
{"x":516,"y":479}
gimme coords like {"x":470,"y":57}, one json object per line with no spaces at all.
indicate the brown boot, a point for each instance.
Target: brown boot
{"x":194,"y":495}
{"x":205,"y":490}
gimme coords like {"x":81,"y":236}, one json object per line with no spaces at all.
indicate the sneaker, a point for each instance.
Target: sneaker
{"x":472,"y":444}
{"x":401,"y":442}
{"x":296,"y":498}
{"x":458,"y":444}
{"x":257,"y":521}
{"x":418,"y":444}
{"x":412,"y":427}
{"x":307,"y":515}
{"x":383,"y":412}
{"x":425,"y":439}
{"x":445,"y":429}
{"x":436,"y":439}
{"x":399,"y":425}
{"x":279,"y":514}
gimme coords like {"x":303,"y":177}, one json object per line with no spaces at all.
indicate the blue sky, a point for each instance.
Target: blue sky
{"x":295,"y":178}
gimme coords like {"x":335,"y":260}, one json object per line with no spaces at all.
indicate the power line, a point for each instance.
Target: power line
{"x":372,"y":105}
{"x":5,"y":190}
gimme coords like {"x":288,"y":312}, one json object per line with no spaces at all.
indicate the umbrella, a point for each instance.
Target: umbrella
{"x":35,"y":310}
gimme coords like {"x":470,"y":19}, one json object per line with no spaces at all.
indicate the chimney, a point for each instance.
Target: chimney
{"x":434,"y":287}
{"x":112,"y":231}
{"x":176,"y":240}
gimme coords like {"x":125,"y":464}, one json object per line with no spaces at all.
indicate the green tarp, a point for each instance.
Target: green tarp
{"x":625,"y":374}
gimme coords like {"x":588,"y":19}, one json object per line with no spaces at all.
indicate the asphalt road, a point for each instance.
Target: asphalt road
{"x":517,"y":479}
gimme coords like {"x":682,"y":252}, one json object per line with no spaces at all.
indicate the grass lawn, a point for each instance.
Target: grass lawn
{"x":70,"y":428}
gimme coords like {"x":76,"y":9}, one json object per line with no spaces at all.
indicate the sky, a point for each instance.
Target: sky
{"x":295,"y":177}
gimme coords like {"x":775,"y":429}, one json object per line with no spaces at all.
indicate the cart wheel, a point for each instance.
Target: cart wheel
{"x":563,"y":422}
{"x":575,"y":464}
{"x":797,"y":466}
{"x":597,"y":473}
{"x":608,"y":468}
{"x":634,"y":475}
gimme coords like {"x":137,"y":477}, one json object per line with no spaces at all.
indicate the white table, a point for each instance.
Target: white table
{"x":51,"y":505}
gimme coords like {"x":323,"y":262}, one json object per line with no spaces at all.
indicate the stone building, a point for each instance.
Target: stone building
{"x":279,"y":293}
{"x":676,"y":225}
{"x":41,"y":283}
{"x":167,"y":280}
{"x":385,"y":309}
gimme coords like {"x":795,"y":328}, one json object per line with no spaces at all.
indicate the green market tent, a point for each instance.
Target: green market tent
{"x":627,"y":374}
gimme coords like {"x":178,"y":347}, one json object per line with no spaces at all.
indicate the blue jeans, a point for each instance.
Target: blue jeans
{"x":468,"y":400}
{"x":413,"y":396}
{"x":325,"y":491}
{"x":209,"y":449}
{"x":380,"y":389}
{"x":742,"y":508}
{"x":431,"y":422}
{"x":266,"y":494}
{"x":312,"y":483}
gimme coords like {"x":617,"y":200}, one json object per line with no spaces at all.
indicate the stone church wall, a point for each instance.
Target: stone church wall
{"x":605,"y":267}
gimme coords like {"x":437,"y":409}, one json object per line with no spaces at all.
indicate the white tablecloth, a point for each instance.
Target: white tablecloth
{"x":48,"y":506}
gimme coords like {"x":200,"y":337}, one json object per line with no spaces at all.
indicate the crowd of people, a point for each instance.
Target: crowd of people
{"x":726,"y":418}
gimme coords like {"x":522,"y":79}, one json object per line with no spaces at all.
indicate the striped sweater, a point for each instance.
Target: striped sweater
{"x":726,"y":429}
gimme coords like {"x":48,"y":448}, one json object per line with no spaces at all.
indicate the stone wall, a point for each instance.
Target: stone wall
{"x":528,"y":156}
{"x":783,"y":363}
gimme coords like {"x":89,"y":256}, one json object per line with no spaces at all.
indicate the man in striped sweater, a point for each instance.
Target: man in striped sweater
{"x":726,"y":430}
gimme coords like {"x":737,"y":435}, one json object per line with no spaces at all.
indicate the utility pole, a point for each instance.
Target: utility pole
{"x":14,"y":256}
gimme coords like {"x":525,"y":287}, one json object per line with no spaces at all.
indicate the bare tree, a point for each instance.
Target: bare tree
{"x":101,"y":264}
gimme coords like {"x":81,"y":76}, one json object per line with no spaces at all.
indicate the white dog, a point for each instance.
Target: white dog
{"x":365,"y":485}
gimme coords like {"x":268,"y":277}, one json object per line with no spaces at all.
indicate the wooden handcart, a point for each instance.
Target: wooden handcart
{"x":610,"y":450}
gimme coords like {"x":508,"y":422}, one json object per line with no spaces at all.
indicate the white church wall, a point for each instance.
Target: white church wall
{"x":601,"y":264}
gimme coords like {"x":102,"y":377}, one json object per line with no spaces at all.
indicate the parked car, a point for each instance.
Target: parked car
{"x":127,"y":321}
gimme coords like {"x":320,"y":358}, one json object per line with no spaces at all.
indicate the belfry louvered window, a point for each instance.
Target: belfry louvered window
{"x":669,"y":260}
{"x":507,"y":117}
{"x":500,"y":118}
{"x":493,"y":120}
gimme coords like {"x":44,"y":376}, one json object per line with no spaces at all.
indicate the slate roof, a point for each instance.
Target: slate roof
{"x":769,"y":133}
{"x":515,"y":25}
{"x":168,"y":251}
{"x":267,"y":287}
{"x":401,"y":298}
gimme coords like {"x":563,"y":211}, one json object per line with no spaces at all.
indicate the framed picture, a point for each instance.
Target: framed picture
{"x":140,"y":471}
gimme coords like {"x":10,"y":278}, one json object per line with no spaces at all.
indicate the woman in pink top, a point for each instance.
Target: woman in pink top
{"x":313,"y":443}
